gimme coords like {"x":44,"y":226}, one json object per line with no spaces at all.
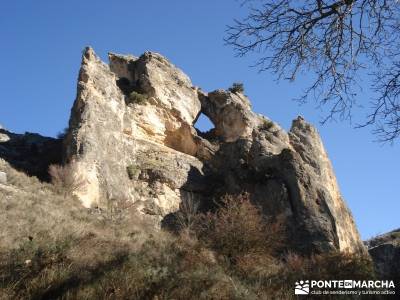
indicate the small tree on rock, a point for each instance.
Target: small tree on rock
{"x":237,"y":87}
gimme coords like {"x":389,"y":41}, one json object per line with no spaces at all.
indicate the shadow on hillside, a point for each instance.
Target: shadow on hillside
{"x":67,"y":277}
{"x":30,"y":153}
{"x":82,"y":279}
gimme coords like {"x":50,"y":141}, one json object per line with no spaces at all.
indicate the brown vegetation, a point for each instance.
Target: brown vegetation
{"x":238,"y":229}
{"x":60,"y":251}
{"x":66,"y":179}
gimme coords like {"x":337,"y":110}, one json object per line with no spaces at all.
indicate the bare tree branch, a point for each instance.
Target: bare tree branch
{"x":335,"y":41}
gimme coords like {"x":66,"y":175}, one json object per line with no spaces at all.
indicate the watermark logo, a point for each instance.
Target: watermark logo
{"x":302,"y":287}
{"x":345,"y":287}
{"x":348,"y":284}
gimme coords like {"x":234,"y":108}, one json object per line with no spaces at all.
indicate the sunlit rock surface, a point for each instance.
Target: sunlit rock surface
{"x":132,"y":134}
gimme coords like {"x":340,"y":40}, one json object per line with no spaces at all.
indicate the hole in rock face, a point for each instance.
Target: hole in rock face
{"x":204,"y":127}
{"x":203,"y":123}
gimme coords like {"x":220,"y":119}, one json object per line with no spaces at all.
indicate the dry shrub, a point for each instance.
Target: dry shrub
{"x":188,"y":214}
{"x":238,"y":229}
{"x":246,"y":245}
{"x":257,"y":265}
{"x":338,"y":265}
{"x":327,"y":266}
{"x":231,"y":254}
{"x":66,"y":179}
{"x":164,"y":267}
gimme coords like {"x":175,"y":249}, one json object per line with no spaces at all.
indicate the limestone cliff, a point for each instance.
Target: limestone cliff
{"x":132,"y":133}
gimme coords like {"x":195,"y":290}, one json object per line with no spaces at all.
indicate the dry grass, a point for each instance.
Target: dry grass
{"x":30,"y":208}
{"x":52,"y":248}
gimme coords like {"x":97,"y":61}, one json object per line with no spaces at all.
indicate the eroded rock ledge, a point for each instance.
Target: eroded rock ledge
{"x":132,"y":134}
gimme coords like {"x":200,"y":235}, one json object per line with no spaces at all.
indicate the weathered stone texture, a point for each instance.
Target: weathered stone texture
{"x":385,"y":252}
{"x":3,"y":178}
{"x":132,"y":132}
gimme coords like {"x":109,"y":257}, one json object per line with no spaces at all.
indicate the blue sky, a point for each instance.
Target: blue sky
{"x":40,"y":48}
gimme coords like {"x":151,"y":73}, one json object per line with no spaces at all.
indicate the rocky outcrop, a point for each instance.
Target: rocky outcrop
{"x":385,"y":253}
{"x":110,"y":134}
{"x":132,"y":134}
{"x":288,"y":175}
{"x":30,"y":152}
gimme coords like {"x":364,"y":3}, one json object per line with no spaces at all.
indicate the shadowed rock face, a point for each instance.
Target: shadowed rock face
{"x":30,"y":152}
{"x":132,"y":133}
{"x":385,"y":252}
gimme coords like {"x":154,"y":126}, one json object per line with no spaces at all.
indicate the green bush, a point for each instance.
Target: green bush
{"x":133,"y":172}
{"x":237,"y":87}
{"x":135,"y":97}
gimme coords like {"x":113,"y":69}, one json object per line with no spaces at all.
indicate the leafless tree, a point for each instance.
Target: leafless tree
{"x":338,"y":42}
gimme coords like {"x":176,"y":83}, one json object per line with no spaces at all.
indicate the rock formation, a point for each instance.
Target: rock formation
{"x":132,"y":134}
{"x":385,"y":253}
{"x":30,"y":152}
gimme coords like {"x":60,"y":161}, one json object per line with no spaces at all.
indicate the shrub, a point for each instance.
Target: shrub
{"x":61,"y":135}
{"x":135,"y":97}
{"x":237,"y":87}
{"x":162,"y":267}
{"x":187,"y":216}
{"x":267,"y":124}
{"x":238,"y":229}
{"x":233,"y":253}
{"x":66,"y":179}
{"x":133,"y":172}
{"x":337,"y":265}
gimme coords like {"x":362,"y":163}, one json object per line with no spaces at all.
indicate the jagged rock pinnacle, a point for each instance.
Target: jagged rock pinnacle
{"x":132,"y":133}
